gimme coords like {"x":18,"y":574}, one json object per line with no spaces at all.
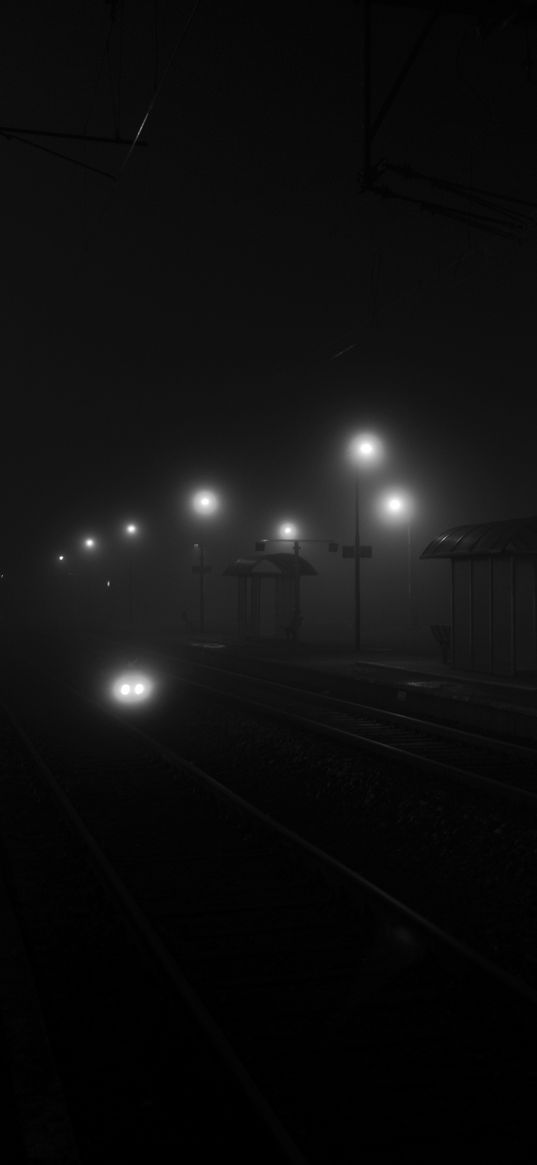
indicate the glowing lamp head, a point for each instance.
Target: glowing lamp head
{"x":89,"y":543}
{"x":205,"y":502}
{"x":61,"y":557}
{"x":288,"y":530}
{"x":131,"y":529}
{"x":364,"y":450}
{"x":397,"y":505}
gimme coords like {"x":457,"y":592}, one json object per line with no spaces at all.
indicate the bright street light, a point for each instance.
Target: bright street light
{"x":131,"y":529}
{"x":205,"y":502}
{"x":288,"y":530}
{"x":401,"y":506}
{"x":61,"y":557}
{"x":90,"y":543}
{"x":364,"y":450}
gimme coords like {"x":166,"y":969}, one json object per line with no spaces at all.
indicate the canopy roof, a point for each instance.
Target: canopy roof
{"x":517,"y":536}
{"x":280,"y":563}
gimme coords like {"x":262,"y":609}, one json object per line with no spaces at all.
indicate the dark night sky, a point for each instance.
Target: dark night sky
{"x":182,"y":325}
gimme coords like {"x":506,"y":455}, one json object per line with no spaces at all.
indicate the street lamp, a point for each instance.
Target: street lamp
{"x":400,"y":506}
{"x":88,"y":584}
{"x":131,"y":530}
{"x":288,"y":530}
{"x":363,"y":450}
{"x":204,"y":503}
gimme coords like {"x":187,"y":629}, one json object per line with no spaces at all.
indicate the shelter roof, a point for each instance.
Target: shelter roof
{"x":280,"y":563}
{"x":516,"y":536}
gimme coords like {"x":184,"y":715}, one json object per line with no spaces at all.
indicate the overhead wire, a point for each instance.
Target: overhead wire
{"x":56,"y":154}
{"x":136,"y":140}
{"x":178,"y":45}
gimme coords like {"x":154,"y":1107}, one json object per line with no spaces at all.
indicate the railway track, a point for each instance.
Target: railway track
{"x":502,"y":766}
{"x":349,"y":1025}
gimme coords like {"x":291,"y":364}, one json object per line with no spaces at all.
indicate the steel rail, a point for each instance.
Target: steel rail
{"x":161,"y":956}
{"x":388,"y":901}
{"x":483,"y":965}
{"x":411,"y":916}
{"x":391,"y":750}
{"x":179,"y":763}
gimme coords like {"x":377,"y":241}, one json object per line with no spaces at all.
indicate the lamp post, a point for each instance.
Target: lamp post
{"x":131,"y":530}
{"x":400,"y":505}
{"x":288,"y":533}
{"x":363,"y":450}
{"x":67,"y":596}
{"x":205,"y":503}
{"x":90,"y":546}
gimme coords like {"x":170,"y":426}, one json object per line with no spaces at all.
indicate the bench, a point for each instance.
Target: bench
{"x":442,"y":634}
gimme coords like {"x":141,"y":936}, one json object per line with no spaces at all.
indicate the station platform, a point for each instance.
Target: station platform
{"x":500,"y":706}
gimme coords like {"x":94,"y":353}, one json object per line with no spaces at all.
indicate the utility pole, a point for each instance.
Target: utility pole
{"x":357,"y":607}
{"x":202,"y":570}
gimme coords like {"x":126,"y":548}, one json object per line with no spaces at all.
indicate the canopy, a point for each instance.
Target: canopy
{"x":516,"y":536}
{"x":281,"y":564}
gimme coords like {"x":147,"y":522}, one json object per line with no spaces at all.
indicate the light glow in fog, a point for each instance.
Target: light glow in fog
{"x":132,"y":688}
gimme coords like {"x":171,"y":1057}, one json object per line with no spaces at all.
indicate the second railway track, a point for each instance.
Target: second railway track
{"x":506,"y":767}
{"x":367,"y":1033}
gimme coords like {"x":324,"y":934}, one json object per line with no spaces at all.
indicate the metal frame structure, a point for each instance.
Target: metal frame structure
{"x":483,"y":209}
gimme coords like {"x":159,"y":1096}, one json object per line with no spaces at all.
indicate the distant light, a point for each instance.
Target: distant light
{"x":108,"y":582}
{"x":131,"y":528}
{"x":205,"y":502}
{"x":132,"y":688}
{"x":397,"y":505}
{"x":61,"y":557}
{"x":365,"y":448}
{"x":288,"y":530}
{"x":89,"y":542}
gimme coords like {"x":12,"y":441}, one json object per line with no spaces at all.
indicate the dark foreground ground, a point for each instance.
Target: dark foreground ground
{"x":465,"y":860}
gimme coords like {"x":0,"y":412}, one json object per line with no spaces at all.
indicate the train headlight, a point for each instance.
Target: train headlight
{"x":132,"y":688}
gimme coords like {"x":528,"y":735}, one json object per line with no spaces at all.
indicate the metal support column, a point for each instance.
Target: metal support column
{"x":202,"y":587}
{"x":357,"y":608}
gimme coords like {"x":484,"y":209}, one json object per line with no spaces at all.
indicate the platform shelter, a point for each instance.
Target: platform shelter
{"x":493,"y":595}
{"x":268,"y":588}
